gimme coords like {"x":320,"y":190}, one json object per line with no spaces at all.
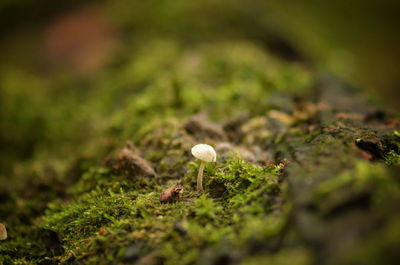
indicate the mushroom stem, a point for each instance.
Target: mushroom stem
{"x":200,"y":177}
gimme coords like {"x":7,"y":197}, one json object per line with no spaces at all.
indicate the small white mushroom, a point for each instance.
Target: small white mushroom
{"x":205,"y":153}
{"x":3,"y":232}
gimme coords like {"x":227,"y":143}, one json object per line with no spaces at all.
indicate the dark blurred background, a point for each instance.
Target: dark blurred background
{"x":356,"y":39}
{"x":52,"y":53}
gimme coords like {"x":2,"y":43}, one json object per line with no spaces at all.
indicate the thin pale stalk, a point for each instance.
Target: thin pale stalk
{"x":200,"y":177}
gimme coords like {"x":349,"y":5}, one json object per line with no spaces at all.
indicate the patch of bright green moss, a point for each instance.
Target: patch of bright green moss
{"x":392,"y":158}
{"x":130,"y":214}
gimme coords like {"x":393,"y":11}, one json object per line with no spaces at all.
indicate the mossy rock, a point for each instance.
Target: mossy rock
{"x":298,"y":179}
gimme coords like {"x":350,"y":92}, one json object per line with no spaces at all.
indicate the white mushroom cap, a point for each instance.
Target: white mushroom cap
{"x":3,"y":232}
{"x":204,"y":152}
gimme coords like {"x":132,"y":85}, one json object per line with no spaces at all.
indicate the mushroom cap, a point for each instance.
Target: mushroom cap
{"x":3,"y":232}
{"x":204,"y":152}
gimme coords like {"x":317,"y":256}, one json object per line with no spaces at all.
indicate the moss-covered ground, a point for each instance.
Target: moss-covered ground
{"x":307,"y":168}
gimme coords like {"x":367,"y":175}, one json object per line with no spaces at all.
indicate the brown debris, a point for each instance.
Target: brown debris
{"x":344,"y":116}
{"x":304,"y":111}
{"x":382,"y":118}
{"x":148,"y":259}
{"x":130,"y":162}
{"x":284,"y":163}
{"x":364,"y":155}
{"x":372,"y":146}
{"x":255,"y":131}
{"x":3,"y":232}
{"x":392,"y":123}
{"x":202,"y":128}
{"x":232,"y":127}
{"x":172,"y":194}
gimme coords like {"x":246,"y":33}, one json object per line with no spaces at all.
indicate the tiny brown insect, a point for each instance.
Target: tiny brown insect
{"x":172,"y":194}
{"x":101,"y":231}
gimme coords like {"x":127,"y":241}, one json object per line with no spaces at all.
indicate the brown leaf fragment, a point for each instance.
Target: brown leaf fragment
{"x":3,"y":232}
{"x":172,"y":194}
{"x":129,"y":161}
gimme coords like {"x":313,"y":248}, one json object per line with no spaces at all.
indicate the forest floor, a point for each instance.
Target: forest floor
{"x":307,"y":168}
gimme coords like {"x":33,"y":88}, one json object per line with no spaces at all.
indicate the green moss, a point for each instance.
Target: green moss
{"x":130,"y":213}
{"x":63,"y":203}
{"x":244,"y":187}
{"x":392,"y":158}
